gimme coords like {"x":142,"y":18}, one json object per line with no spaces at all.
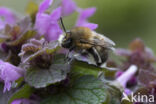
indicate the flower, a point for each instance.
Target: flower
{"x":122,"y":52}
{"x":68,"y":7}
{"x":124,"y":77}
{"x":47,"y":24}
{"x":127,"y":75}
{"x":138,"y":54}
{"x":131,"y":81}
{"x":84,"y":15}
{"x":6,"y":17}
{"x":45,"y":5}
{"x":22,"y":101}
{"x":9,"y":73}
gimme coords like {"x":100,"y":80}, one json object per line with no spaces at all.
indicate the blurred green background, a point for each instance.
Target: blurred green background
{"x":120,"y":20}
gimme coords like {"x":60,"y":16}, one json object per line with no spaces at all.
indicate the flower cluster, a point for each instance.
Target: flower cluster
{"x":34,"y":69}
{"x":47,"y":24}
{"x":30,"y":43}
{"x":141,"y":78}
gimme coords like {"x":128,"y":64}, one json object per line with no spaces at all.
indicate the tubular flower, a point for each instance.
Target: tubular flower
{"x":6,"y":17}
{"x":68,"y":7}
{"x":84,"y":15}
{"x":131,"y":81}
{"x":9,"y":73}
{"x":127,"y":75}
{"x":47,"y":24}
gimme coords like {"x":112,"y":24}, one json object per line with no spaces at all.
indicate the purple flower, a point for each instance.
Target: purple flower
{"x":68,"y":7}
{"x":127,"y":91}
{"x":118,"y":73}
{"x":138,"y":54}
{"x":131,"y":81}
{"x":124,"y":77}
{"x":45,"y":5}
{"x":127,"y":75}
{"x":9,"y":73}
{"x":21,"y":101}
{"x":6,"y":17}
{"x":47,"y":24}
{"x":84,"y":15}
{"x":122,"y":52}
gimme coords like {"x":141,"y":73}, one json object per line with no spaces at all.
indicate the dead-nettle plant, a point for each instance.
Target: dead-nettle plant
{"x":34,"y":68}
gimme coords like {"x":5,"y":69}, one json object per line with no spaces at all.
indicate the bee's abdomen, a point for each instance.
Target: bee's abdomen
{"x":104,"y":55}
{"x":100,"y":54}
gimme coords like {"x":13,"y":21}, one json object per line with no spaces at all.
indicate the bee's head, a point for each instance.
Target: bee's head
{"x":66,"y":40}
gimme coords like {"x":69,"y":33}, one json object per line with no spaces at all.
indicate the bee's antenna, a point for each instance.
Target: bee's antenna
{"x":63,"y":25}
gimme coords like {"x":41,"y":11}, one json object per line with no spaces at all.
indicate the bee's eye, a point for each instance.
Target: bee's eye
{"x":67,"y":42}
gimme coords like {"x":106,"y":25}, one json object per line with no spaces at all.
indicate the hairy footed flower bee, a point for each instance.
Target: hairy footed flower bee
{"x":85,"y":41}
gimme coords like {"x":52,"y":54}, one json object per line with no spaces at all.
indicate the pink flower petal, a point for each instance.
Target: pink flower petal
{"x":126,"y":76}
{"x":9,"y":73}
{"x":56,"y":14}
{"x":42,"y":23}
{"x":68,"y":7}
{"x":7,"y":17}
{"x":92,"y":26}
{"x":122,"y":52}
{"x":21,"y":101}
{"x":45,"y":5}
{"x":47,"y":25}
{"x":53,"y":32}
{"x":84,"y":15}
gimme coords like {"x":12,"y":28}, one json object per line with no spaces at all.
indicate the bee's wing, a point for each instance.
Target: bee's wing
{"x":99,"y":40}
{"x":102,"y":40}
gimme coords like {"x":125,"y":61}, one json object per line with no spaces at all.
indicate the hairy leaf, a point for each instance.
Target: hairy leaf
{"x":23,"y":92}
{"x":84,"y":68}
{"x":42,"y":77}
{"x":84,"y":90}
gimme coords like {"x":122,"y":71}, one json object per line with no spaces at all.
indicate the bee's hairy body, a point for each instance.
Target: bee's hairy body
{"x":84,"y":40}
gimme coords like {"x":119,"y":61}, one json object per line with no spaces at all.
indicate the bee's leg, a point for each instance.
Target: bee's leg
{"x":96,"y":56}
{"x":67,"y":55}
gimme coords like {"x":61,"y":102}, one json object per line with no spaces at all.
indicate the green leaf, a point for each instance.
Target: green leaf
{"x":124,"y":102}
{"x":113,"y":88}
{"x":42,"y":77}
{"x":24,"y":92}
{"x":84,"y":68}
{"x":115,"y":94}
{"x":84,"y":90}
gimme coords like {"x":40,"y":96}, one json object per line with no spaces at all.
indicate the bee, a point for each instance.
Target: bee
{"x":85,"y":41}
